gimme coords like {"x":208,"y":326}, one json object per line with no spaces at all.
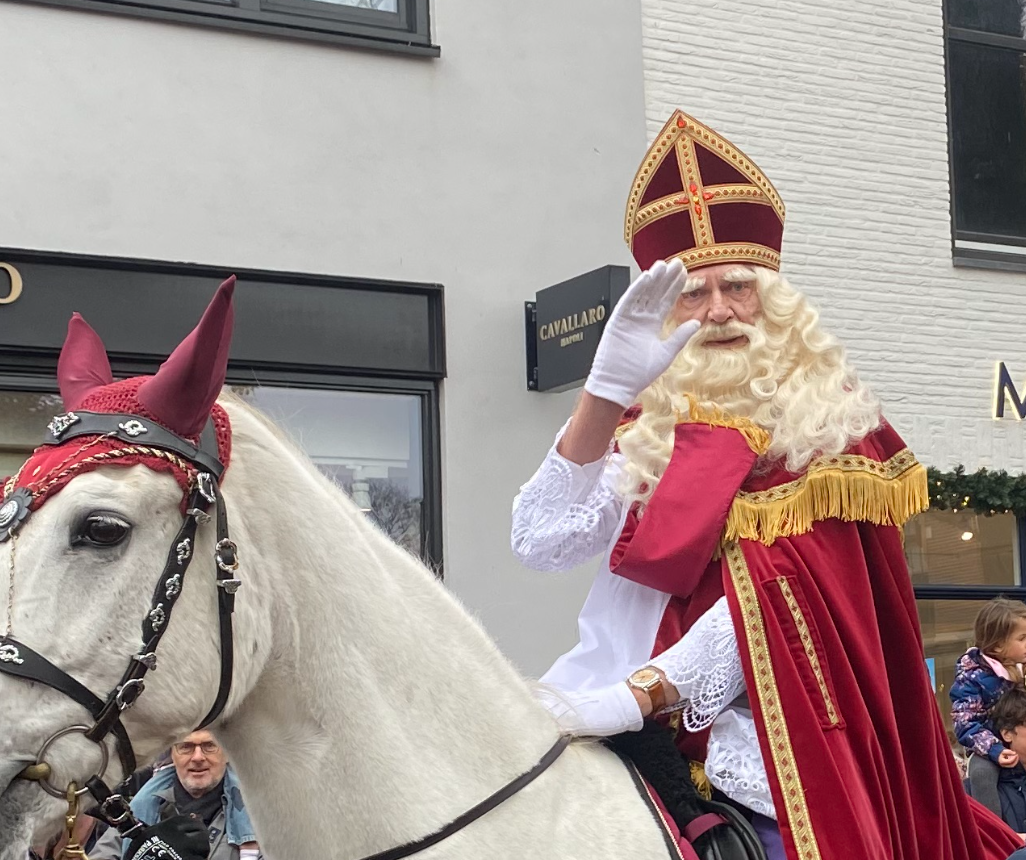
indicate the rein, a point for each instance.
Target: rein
{"x":474,"y":813}
{"x":20,"y":661}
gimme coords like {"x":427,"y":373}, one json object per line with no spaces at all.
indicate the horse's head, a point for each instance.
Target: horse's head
{"x":97,"y":529}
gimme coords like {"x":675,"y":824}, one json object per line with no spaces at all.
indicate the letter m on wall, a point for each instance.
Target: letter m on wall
{"x":1005,"y":388}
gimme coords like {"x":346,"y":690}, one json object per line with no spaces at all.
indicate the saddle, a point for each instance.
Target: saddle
{"x":712,"y":829}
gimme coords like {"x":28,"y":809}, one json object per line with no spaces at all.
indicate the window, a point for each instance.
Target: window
{"x":958,"y":560}
{"x":391,"y":25}
{"x":986,"y":59}
{"x":370,"y":443}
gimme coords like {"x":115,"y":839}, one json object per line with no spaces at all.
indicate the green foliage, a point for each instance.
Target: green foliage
{"x":984,"y":492}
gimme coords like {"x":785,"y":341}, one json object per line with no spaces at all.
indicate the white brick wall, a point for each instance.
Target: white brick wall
{"x":843,"y":106}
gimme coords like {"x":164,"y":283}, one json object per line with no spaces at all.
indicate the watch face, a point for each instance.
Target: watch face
{"x":645,"y":677}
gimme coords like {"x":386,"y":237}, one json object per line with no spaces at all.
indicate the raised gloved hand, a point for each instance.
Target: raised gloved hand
{"x":596,"y":713}
{"x":632,"y":353}
{"x":179,"y":838}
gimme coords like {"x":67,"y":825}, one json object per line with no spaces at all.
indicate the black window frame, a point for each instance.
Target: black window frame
{"x":406,"y":31}
{"x":45,"y":381}
{"x":1006,"y":253}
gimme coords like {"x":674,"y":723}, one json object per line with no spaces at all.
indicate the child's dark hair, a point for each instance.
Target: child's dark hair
{"x":996,"y":622}
{"x":1009,"y":711}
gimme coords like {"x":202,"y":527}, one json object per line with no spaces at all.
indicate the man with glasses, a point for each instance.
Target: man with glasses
{"x":201,"y":787}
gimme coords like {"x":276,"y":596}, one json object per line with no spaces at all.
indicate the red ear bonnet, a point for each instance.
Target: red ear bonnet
{"x":181,"y":397}
{"x":182,"y":393}
{"x":83,"y":366}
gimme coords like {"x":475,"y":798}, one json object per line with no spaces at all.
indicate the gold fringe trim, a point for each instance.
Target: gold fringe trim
{"x":701,"y":781}
{"x":757,"y":438}
{"x":848,"y":487}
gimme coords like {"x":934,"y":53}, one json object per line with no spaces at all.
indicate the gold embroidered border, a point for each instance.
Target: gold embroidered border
{"x":740,"y":252}
{"x":691,"y":177}
{"x":849,"y":487}
{"x":889,"y":470}
{"x":784,"y":763}
{"x":681,"y":125}
{"x":757,"y":438}
{"x":810,"y":649}
{"x":732,"y":193}
{"x":672,"y":203}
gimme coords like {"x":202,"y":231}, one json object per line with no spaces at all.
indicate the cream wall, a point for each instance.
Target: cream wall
{"x":843,"y":106}
{"x":496,"y":170}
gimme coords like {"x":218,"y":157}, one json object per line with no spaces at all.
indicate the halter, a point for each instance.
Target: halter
{"x":18,"y":660}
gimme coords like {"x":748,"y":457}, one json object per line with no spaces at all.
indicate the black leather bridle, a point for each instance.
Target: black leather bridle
{"x":20,"y":661}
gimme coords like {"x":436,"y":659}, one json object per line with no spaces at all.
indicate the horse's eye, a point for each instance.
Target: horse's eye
{"x":101,"y":530}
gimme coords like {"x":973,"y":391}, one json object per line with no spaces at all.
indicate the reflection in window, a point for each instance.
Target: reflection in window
{"x":23,"y":419}
{"x":1005,"y":17}
{"x":962,"y":548}
{"x":947,"y":634}
{"x":368,"y":444}
{"x":988,"y":146}
{"x":381,"y":5}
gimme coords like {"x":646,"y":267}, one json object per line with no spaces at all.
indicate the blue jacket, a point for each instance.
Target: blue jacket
{"x":1011,"y":788}
{"x":151,"y":797}
{"x":975,"y":690}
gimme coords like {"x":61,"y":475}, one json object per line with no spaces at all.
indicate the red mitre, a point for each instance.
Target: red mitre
{"x":697,"y":197}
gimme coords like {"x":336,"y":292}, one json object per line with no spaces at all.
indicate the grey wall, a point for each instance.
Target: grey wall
{"x":496,"y":170}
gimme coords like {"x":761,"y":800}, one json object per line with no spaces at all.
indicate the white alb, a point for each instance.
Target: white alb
{"x":568,"y":513}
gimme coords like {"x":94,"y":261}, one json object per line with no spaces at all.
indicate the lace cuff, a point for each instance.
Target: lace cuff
{"x":705,"y":667}
{"x":566,"y":513}
{"x":734,"y":765}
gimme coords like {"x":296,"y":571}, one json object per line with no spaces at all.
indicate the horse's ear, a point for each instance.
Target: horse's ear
{"x":83,"y":366}
{"x":182,"y":392}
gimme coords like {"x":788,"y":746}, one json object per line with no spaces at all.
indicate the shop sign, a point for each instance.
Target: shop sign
{"x":142,"y":309}
{"x":14,"y":284}
{"x":564,"y":324}
{"x":1004,"y":390}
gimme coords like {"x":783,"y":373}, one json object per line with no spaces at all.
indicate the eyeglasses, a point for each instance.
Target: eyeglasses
{"x":207,"y":748}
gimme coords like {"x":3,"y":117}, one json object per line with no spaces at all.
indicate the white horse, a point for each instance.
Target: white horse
{"x":368,"y":709}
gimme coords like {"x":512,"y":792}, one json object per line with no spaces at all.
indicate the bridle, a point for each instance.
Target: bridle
{"x":18,"y":660}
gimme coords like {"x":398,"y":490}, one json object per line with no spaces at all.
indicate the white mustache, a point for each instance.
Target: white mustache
{"x":727,"y":331}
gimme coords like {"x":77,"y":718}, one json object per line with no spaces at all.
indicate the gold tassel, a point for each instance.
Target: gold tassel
{"x":701,"y":781}
{"x":846,"y":492}
{"x":757,"y":438}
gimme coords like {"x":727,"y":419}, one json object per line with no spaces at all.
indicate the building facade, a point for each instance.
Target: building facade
{"x":393,"y":180}
{"x":341,"y":159}
{"x":895,"y":131}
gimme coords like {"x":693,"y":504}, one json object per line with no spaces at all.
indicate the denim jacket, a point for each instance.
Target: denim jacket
{"x":159,"y":790}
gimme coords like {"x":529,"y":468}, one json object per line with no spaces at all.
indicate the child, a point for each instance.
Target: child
{"x":982,"y":674}
{"x":1009,"y":719}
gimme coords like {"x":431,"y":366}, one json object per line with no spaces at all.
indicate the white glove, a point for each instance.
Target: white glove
{"x":631,"y":354}
{"x":595,"y":713}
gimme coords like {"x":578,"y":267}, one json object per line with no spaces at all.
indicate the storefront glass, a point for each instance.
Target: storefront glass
{"x":957,"y":549}
{"x":370,"y":444}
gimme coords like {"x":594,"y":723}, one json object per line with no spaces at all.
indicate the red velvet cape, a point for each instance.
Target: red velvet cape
{"x":858,"y":759}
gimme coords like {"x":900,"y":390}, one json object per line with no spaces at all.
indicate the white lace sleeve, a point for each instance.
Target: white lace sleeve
{"x":566,"y":513}
{"x":705,"y":667}
{"x":734,"y":764}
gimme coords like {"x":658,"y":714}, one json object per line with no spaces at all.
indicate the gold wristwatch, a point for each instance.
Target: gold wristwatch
{"x":649,"y":681}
